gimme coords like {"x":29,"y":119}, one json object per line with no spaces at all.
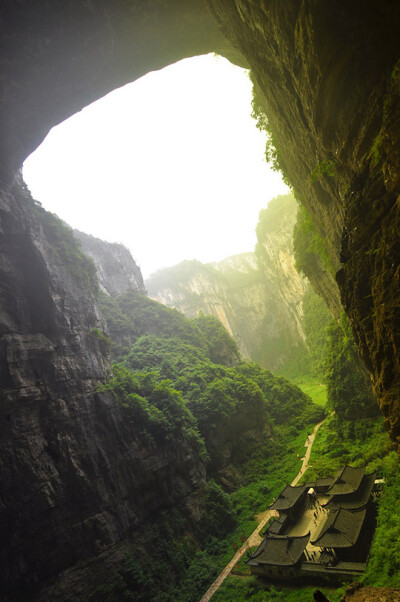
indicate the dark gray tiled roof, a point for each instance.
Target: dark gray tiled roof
{"x":341,"y":529}
{"x":275,"y":527}
{"x":288,"y":497}
{"x":346,"y":480}
{"x":323,"y":482}
{"x":358,"y":499}
{"x":279,"y":550}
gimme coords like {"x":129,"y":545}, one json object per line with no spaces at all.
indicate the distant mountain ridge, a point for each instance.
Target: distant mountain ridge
{"x":257,"y":296}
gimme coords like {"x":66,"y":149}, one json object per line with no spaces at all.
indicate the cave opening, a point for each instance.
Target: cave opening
{"x":171,"y":165}
{"x":331,"y":81}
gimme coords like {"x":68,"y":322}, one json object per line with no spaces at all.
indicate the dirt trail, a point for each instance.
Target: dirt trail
{"x":255,"y":538}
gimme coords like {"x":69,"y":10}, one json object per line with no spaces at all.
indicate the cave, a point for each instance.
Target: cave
{"x":329,"y":78}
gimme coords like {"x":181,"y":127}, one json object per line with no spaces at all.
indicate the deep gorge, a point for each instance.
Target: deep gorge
{"x":75,"y":483}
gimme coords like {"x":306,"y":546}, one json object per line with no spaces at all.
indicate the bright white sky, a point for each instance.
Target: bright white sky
{"x":172,"y":166}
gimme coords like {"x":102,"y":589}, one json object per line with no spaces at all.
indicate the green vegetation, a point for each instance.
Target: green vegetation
{"x":222,"y":349}
{"x":133,"y":315}
{"x":67,"y":248}
{"x":240,"y":590}
{"x":365,"y":442}
{"x":286,"y":344}
{"x":317,"y":392}
{"x":286,"y":405}
{"x":270,"y":219}
{"x":316,"y":321}
{"x":177,"y":274}
{"x":180,"y":378}
{"x":308,"y":364}
{"x":309,"y":247}
{"x":98,"y":336}
{"x":181,"y":382}
{"x":357,"y":442}
{"x":383,"y":568}
{"x":361,"y":442}
{"x":395,"y":70}
{"x":173,"y":568}
{"x":273,"y":156}
{"x":227,"y":402}
{"x":329,"y":370}
{"x":323,"y":168}
{"x":349,"y":388}
{"x":155,"y":409}
{"x":376,"y":149}
{"x":179,"y":278}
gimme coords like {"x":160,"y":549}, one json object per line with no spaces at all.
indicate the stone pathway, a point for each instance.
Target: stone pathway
{"x":255,"y":538}
{"x":308,"y":444}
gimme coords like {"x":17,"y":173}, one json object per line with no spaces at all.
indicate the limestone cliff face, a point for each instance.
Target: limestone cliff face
{"x":257,"y":297}
{"x":116,"y":269}
{"x":240,"y":307}
{"x":276,"y":260}
{"x":328,"y":76}
{"x":329,"y":79}
{"x":76,"y":478}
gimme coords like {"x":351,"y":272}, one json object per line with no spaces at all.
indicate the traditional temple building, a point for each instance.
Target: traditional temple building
{"x":279,"y":555}
{"x":349,"y":490}
{"x":347,"y":480}
{"x":340,"y":533}
{"x":290,"y":498}
{"x":323,"y":537}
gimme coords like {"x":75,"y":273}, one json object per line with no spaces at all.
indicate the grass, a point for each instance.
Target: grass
{"x":255,"y":497}
{"x":360,"y":442}
{"x":283,"y":467}
{"x":317,"y":391}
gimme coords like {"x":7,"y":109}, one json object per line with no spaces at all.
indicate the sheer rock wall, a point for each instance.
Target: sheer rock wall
{"x":116,"y":269}
{"x":330,"y":83}
{"x":76,"y":477}
{"x":329,"y":78}
{"x":257,"y":296}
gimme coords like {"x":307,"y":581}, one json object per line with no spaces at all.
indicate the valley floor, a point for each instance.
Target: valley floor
{"x":255,"y":538}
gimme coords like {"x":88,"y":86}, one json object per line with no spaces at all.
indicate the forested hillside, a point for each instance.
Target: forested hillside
{"x":256,"y":296}
{"x":176,"y":374}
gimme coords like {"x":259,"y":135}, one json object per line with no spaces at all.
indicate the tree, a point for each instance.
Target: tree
{"x":349,"y":389}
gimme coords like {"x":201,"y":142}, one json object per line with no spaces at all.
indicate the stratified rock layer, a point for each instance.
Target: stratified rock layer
{"x":76,"y":476}
{"x":328,"y":76}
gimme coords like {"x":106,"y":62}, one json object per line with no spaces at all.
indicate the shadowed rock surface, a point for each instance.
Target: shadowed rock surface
{"x":59,"y":56}
{"x":329,"y":80}
{"x":330,"y":83}
{"x":77,"y":476}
